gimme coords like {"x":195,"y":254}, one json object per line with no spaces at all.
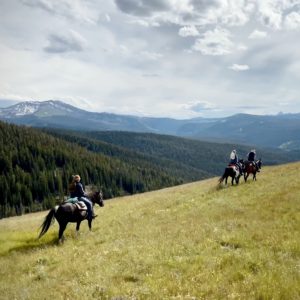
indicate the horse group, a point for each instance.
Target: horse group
{"x":248,"y":167}
{"x":71,"y":212}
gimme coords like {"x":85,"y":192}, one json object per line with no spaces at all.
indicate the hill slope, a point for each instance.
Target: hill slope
{"x":194,"y":241}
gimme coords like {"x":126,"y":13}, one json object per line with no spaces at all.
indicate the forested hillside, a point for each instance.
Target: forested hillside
{"x":35,"y":169}
{"x":207,"y":158}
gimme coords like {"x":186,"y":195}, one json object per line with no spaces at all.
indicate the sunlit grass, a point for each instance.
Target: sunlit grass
{"x":195,"y":241}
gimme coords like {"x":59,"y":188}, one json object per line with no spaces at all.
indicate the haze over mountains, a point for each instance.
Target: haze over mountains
{"x":275,"y":131}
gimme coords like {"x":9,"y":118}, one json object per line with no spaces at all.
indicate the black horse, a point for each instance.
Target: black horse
{"x":69,"y":212}
{"x":252,"y":168}
{"x":233,"y":172}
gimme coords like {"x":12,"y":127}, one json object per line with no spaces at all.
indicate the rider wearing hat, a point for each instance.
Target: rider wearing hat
{"x":76,"y":190}
{"x":235,"y":161}
{"x":251,"y":158}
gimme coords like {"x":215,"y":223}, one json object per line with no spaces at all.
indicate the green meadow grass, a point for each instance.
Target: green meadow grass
{"x":195,"y":241}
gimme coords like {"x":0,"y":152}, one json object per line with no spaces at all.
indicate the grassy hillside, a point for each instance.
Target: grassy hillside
{"x":195,"y":241}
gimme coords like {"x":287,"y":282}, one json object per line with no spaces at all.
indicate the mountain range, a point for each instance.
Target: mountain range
{"x":273,"y":131}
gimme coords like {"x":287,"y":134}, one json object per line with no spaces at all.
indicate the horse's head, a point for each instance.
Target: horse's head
{"x":97,"y":197}
{"x":259,"y":163}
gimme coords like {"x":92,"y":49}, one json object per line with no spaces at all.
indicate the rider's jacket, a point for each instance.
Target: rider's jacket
{"x":78,"y":191}
{"x":251,"y":156}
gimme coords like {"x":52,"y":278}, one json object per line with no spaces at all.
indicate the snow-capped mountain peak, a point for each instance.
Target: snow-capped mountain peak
{"x":40,"y":108}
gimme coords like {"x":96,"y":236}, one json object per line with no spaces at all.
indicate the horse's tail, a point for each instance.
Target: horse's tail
{"x":49,"y":219}
{"x":222,"y":177}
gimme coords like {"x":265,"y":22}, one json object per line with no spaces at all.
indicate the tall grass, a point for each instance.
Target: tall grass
{"x":194,"y":241}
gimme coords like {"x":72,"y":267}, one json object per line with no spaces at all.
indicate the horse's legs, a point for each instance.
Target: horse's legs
{"x":90,"y":224}
{"x":77,"y":228}
{"x":246,"y":177}
{"x":232,"y":180}
{"x":78,"y":225}
{"x":226,"y":180}
{"x":254,"y":176}
{"x":62,"y":227}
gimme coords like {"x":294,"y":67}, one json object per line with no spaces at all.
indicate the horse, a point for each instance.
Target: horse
{"x":232,"y":171}
{"x":69,"y":212}
{"x":252,"y":168}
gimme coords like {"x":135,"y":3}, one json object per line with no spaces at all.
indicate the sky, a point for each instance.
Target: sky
{"x":159,"y":58}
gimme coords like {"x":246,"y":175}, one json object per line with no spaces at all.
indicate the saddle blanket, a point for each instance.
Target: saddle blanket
{"x":80,"y":204}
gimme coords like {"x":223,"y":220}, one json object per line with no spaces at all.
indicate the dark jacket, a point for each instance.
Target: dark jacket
{"x":78,"y":191}
{"x":251,"y":156}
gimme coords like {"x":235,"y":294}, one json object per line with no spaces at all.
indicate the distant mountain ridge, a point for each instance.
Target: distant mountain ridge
{"x":274,"y":131}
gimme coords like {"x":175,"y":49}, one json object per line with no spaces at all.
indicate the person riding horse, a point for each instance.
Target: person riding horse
{"x":235,"y":161}
{"x":76,"y":190}
{"x":251,"y":158}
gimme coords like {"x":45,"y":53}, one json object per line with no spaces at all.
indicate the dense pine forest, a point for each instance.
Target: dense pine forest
{"x":36,"y":168}
{"x":188,"y":158}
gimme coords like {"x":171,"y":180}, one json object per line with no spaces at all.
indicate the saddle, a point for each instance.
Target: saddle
{"x":250,"y":163}
{"x":79,"y":204}
{"x":233,"y":166}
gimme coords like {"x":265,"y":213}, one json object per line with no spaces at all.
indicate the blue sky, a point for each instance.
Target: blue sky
{"x":171,"y":58}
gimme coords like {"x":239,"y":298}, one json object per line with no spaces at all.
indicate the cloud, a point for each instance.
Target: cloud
{"x":142,"y":7}
{"x":107,"y":17}
{"x":150,"y":75}
{"x":257,"y":34}
{"x":151,"y":55}
{"x":292,"y":21}
{"x":71,"y":9}
{"x":144,"y":23}
{"x":200,"y":106}
{"x":270,"y":13}
{"x":188,"y":31}
{"x":250,"y":106}
{"x":238,"y":68}
{"x":65,"y":42}
{"x":214,"y":42}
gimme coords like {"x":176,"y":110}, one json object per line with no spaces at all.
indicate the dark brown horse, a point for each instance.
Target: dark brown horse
{"x":252,"y":168}
{"x":69,"y":212}
{"x":233,"y":172}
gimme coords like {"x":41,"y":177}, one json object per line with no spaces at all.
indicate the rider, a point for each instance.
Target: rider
{"x":251,"y":158}
{"x":76,"y":190}
{"x":235,"y":161}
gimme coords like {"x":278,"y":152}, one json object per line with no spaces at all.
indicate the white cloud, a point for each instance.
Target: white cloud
{"x":238,"y":68}
{"x":236,"y":12}
{"x":144,"y":23}
{"x":292,"y":21}
{"x":73,"y":9}
{"x":188,"y":31}
{"x":214,"y":42}
{"x":65,"y":42}
{"x":130,"y":64}
{"x":151,"y":55}
{"x":200,"y":106}
{"x":257,"y":34}
{"x":107,"y":17}
{"x":270,"y":13}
